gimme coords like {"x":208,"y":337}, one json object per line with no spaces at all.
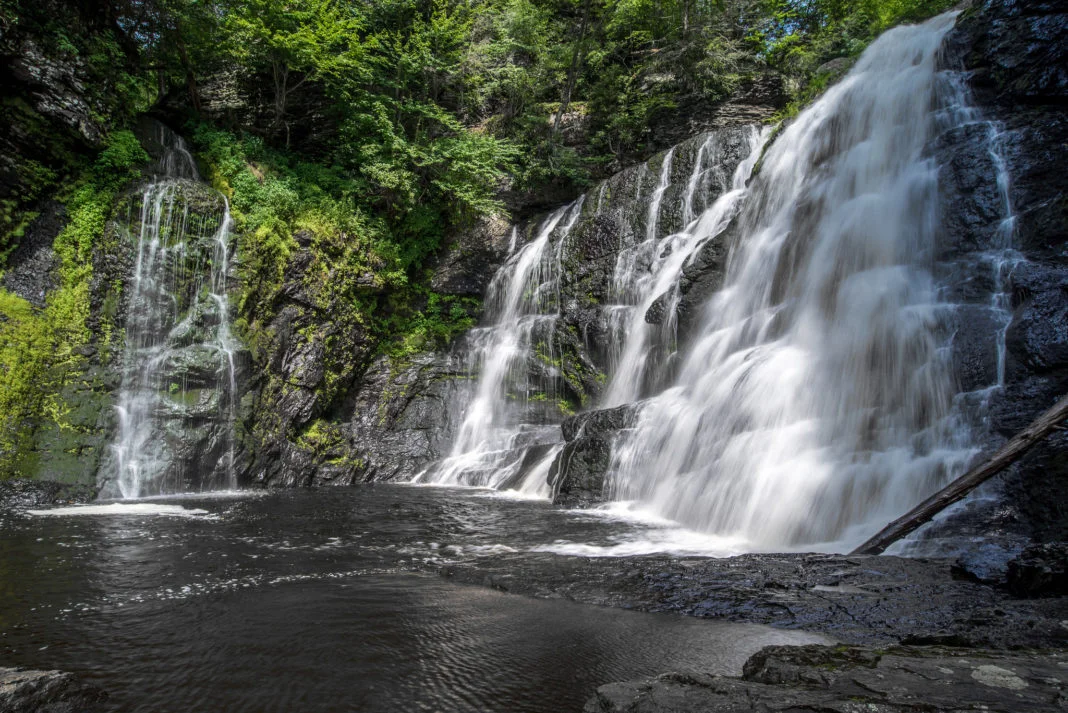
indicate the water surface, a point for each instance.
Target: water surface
{"x":327,"y":601}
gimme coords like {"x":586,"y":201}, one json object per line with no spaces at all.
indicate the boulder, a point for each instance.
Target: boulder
{"x":847,"y":678}
{"x":577,"y":476}
{"x":26,"y":691}
{"x":1015,"y":68}
{"x":1040,"y":570}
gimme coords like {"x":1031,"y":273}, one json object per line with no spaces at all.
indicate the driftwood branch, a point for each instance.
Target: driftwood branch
{"x":1019,"y":444}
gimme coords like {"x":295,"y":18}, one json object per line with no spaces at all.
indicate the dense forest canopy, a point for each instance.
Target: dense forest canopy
{"x":434,"y":102}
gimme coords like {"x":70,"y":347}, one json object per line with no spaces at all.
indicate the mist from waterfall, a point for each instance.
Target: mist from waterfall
{"x":178,"y":364}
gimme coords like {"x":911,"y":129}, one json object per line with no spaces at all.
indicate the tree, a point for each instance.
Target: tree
{"x":296,"y":43}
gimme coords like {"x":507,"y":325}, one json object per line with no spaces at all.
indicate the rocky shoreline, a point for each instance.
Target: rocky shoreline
{"x":873,"y":601}
{"x":848,"y":678}
{"x":917,"y":634}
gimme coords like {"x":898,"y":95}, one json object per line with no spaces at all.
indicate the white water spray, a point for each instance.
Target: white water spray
{"x":651,"y":270}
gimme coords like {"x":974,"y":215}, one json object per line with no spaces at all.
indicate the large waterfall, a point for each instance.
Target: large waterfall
{"x":812,"y":397}
{"x":176,"y":405}
{"x":817,"y":398}
{"x":649,"y":271}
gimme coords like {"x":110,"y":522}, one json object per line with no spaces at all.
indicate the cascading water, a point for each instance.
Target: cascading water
{"x":523,"y":304}
{"x":509,"y":431}
{"x":177,"y":402}
{"x":651,"y":269}
{"x":814,"y":397}
{"x":817,"y":400}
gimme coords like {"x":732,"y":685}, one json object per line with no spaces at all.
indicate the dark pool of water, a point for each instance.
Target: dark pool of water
{"x":321,"y":601}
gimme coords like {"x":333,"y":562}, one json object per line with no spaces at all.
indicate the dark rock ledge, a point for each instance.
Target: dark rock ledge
{"x":954,"y":644}
{"x":21,"y":493}
{"x":23,"y":691}
{"x":847,"y":679}
{"x":875,"y":601}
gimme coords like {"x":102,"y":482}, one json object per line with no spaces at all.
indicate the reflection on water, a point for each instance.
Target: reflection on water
{"x":312,"y":601}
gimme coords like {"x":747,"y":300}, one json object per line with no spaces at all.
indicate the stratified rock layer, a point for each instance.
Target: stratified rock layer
{"x":852,"y":679}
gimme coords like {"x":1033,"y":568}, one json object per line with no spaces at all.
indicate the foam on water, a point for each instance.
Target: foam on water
{"x":123,"y":509}
{"x":648,"y":533}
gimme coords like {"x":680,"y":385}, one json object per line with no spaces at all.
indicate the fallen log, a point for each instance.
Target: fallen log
{"x":1002,"y":459}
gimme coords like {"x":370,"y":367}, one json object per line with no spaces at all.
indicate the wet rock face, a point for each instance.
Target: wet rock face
{"x":23,"y":691}
{"x":401,"y":418}
{"x":393,"y":424}
{"x":615,"y":218}
{"x":795,"y":678}
{"x":700,"y":279}
{"x":1040,"y":570}
{"x":578,"y":475}
{"x":471,"y":257}
{"x":21,"y":494}
{"x":283,"y":445}
{"x":29,"y":270}
{"x":324,"y":408}
{"x":1017,"y":64}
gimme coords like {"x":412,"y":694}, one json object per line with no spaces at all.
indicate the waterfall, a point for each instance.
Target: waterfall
{"x":177,"y":402}
{"x":508,"y":434}
{"x":651,"y":269}
{"x":812,"y":395}
{"x":816,"y":402}
{"x":522,"y":306}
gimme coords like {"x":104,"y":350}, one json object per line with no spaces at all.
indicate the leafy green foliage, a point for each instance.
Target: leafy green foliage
{"x":435,"y":324}
{"x":798,"y":36}
{"x":357,"y":266}
{"x":40,"y":349}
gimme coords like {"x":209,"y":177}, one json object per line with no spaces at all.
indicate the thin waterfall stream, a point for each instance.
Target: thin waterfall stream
{"x":523,"y":303}
{"x":177,"y":403}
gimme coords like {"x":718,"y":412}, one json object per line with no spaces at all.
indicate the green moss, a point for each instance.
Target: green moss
{"x":41,"y":350}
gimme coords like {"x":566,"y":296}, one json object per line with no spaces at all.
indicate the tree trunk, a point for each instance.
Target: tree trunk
{"x":572,"y":72}
{"x":1006,"y":456}
{"x":190,"y":77}
{"x":280,"y":72}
